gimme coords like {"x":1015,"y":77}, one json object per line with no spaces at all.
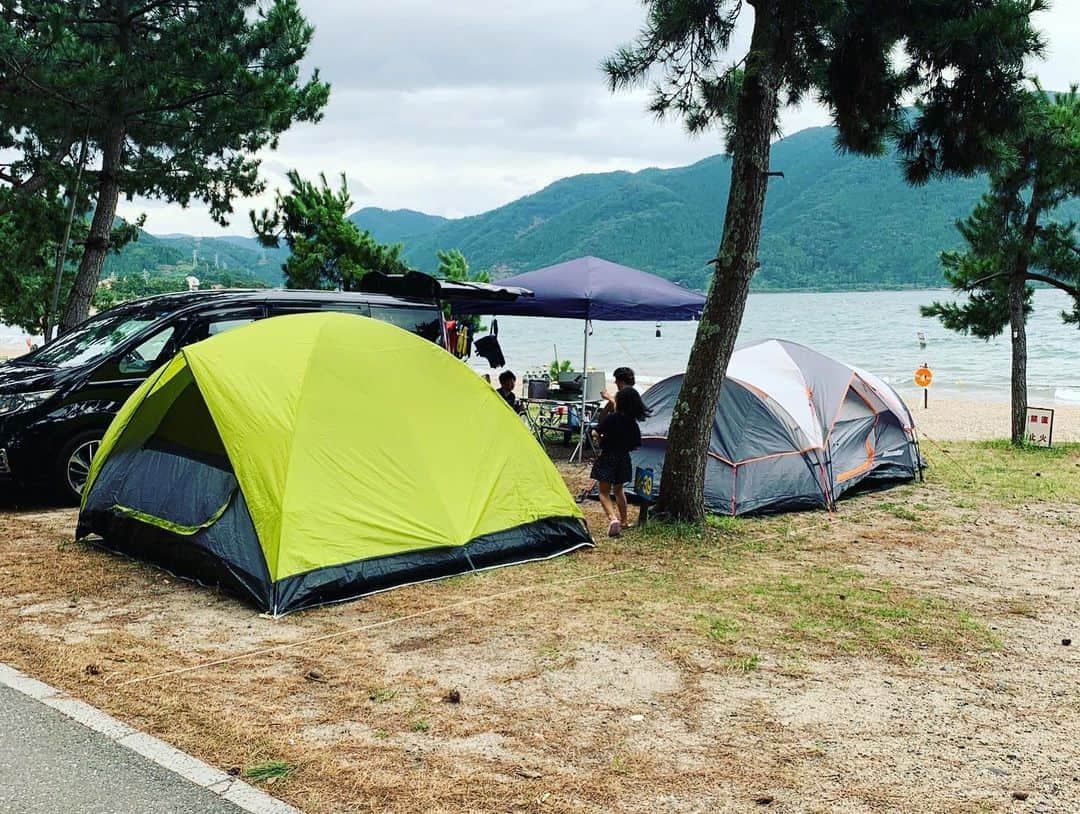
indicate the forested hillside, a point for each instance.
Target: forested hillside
{"x":833,"y":221}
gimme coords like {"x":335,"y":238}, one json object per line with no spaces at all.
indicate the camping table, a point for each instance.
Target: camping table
{"x":546,"y":416}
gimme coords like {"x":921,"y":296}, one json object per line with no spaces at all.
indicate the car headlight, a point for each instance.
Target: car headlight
{"x":21,"y":402}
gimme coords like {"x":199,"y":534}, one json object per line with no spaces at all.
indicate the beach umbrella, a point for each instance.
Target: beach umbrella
{"x":588,"y":289}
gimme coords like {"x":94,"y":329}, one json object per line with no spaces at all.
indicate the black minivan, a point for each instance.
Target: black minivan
{"x":57,"y":401}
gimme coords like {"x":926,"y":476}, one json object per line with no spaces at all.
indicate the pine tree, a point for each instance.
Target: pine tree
{"x":962,"y":64}
{"x":1013,"y":240}
{"x":175,"y":98}
{"x":454,"y":266}
{"x":328,"y":251}
{"x":32,"y":226}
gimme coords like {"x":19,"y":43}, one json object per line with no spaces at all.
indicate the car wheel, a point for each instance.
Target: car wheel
{"x":73,"y":465}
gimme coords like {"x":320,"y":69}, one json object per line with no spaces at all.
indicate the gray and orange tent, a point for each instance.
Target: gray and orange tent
{"x":794,"y":429}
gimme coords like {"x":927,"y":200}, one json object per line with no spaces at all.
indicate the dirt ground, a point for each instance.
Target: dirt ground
{"x":906,"y":655}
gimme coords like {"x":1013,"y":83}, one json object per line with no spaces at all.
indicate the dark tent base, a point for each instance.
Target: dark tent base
{"x":540,"y":540}
{"x":875,"y":481}
{"x":181,"y":556}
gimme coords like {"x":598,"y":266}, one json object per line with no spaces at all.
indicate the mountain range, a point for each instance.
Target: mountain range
{"x":168,"y":254}
{"x":833,"y":221}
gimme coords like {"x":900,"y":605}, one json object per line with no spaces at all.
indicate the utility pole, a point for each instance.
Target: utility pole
{"x":61,"y":250}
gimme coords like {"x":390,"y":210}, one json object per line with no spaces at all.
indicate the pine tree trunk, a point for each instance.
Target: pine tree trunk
{"x":1017,"y":318}
{"x":683,"y":481}
{"x":1018,"y":331}
{"x":97,"y":241}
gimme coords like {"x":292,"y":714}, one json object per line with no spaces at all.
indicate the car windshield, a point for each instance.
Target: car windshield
{"x":90,"y":341}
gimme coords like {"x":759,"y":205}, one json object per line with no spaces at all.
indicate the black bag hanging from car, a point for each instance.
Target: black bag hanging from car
{"x":488,"y":347}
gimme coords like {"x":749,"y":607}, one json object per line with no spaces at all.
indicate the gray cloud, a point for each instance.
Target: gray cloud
{"x":455,"y":108}
{"x":417,"y":44}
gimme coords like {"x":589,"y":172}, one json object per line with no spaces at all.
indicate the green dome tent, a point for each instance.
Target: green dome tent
{"x":319,"y":457}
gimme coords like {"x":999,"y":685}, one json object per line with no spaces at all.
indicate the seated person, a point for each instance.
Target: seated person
{"x":507,"y":384}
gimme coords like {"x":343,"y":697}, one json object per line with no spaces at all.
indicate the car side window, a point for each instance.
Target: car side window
{"x":218,"y":322}
{"x":220,"y":326}
{"x":425,"y":322}
{"x":146,"y":356}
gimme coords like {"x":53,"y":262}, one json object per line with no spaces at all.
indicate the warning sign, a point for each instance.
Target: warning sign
{"x":1040,"y":426}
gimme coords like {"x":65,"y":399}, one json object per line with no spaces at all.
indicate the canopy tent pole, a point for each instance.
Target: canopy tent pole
{"x":579,"y":450}
{"x":587,"y":288}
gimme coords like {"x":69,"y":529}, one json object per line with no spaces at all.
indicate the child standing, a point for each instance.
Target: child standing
{"x":619,"y":435}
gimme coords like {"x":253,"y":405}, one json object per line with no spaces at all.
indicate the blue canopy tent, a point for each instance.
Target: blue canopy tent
{"x":593,"y":289}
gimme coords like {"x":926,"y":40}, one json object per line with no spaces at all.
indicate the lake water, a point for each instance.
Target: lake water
{"x":877,"y":331}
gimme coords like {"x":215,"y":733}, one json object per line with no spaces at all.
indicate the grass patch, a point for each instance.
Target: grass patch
{"x":380,"y":695}
{"x":824,"y":607}
{"x":1004,"y":474}
{"x":548,"y":652}
{"x":726,"y":524}
{"x":900,"y":512}
{"x":419,"y":725}
{"x":746,"y":664}
{"x":268,"y":772}
{"x":720,"y":628}
{"x":825,"y":610}
{"x":621,"y":763}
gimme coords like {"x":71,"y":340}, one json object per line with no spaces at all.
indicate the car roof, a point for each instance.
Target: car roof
{"x":190,"y":300}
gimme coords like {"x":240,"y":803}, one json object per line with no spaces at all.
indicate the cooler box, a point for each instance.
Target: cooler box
{"x":594,"y":383}
{"x":537,"y":388}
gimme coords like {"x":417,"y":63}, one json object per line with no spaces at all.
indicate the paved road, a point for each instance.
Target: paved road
{"x":50,"y":764}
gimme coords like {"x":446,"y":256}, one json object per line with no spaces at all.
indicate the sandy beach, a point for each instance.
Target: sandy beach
{"x":947,"y":420}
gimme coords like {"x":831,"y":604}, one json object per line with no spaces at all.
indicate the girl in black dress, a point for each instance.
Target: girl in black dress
{"x":619,"y":434}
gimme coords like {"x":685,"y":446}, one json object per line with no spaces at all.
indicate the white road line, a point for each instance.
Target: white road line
{"x":192,"y":769}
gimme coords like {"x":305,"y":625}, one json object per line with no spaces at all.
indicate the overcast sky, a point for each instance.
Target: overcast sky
{"x":457,"y":108}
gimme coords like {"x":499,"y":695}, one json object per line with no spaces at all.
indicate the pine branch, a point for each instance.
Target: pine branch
{"x":1068,"y":289}
{"x":39,"y":178}
{"x":1031,"y":276}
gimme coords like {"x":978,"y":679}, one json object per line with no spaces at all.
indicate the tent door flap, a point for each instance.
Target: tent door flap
{"x":169,"y":525}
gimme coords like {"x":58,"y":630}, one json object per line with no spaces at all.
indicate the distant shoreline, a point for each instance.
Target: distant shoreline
{"x":850,"y":290}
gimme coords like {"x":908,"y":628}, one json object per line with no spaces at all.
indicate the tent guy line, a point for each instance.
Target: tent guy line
{"x":967,"y":473}
{"x":441,"y":609}
{"x":748,"y":543}
{"x":373,"y":626}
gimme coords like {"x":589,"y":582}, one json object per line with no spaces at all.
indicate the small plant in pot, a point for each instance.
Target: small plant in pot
{"x":557,"y":367}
